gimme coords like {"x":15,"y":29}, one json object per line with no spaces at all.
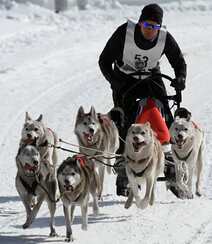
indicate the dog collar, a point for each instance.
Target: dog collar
{"x":183,"y":158}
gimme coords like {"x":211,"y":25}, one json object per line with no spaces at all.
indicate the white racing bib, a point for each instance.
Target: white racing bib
{"x":137,"y":59}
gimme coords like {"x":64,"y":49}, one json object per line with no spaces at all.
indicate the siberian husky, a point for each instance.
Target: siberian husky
{"x":35,"y":179}
{"x":98,"y":136}
{"x":144,"y":161}
{"x":187,"y":148}
{"x":35,"y":133}
{"x":77,"y":178}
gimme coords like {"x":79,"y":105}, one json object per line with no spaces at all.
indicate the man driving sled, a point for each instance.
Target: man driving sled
{"x":139,"y":47}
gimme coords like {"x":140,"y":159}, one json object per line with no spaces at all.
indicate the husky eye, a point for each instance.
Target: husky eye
{"x":185,"y":129}
{"x":72,"y":174}
{"x":142,"y":133}
{"x":85,"y":123}
{"x":36,"y":129}
{"x":26,"y":129}
{"x":133,"y":132}
{"x":176,"y":129}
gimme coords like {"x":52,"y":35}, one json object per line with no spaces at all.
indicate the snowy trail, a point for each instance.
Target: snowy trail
{"x":55,"y":80}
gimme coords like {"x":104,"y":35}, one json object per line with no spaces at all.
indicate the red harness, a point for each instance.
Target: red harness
{"x":81,"y":159}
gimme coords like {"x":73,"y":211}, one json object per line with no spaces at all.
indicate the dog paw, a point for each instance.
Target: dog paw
{"x":69,"y":239}
{"x":26,"y":224}
{"x":53,"y":234}
{"x":127,"y":205}
{"x":199,"y":194}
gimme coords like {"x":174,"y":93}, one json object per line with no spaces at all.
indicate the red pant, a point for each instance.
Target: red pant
{"x":151,"y":114}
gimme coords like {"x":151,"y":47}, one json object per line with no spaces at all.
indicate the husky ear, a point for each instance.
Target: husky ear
{"x":188,"y":117}
{"x":27,"y":117}
{"x":39,"y":119}
{"x":80,"y":112}
{"x":176,"y":119}
{"x":93,"y":112}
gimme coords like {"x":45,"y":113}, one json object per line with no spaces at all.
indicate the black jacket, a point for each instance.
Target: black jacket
{"x":113,"y":52}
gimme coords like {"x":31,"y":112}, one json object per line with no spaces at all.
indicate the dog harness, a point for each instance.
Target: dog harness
{"x":30,"y":189}
{"x":135,"y":58}
{"x":141,"y":173}
{"x":81,"y":159}
{"x":183,"y":158}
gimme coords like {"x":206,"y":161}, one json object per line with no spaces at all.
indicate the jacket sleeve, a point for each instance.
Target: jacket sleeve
{"x":113,"y":51}
{"x":175,"y":56}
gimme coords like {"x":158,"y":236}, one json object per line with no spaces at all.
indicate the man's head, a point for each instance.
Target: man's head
{"x":150,"y":20}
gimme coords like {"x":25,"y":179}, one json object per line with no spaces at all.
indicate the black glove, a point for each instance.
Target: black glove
{"x":179,"y":83}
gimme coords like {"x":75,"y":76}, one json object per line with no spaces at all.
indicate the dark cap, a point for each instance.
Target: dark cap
{"x":152,"y":12}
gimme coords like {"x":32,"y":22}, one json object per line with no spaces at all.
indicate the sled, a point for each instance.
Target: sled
{"x":169,"y":177}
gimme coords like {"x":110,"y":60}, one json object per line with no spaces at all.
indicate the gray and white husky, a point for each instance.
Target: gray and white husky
{"x":77,"y":178}
{"x":98,"y":136}
{"x":145,"y":162}
{"x":35,"y":179}
{"x":35,"y":133}
{"x":187,"y":148}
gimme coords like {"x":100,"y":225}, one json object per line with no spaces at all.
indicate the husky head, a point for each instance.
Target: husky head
{"x":33,"y":130}
{"x":139,"y":138}
{"x":28,"y":159}
{"x":181,"y":131}
{"x":87,"y":127}
{"x":69,"y":175}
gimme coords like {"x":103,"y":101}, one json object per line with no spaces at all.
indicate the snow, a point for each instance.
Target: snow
{"x":49,"y":65}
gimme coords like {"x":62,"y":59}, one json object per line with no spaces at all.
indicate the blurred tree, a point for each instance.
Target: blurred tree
{"x":82,"y":4}
{"x":60,"y":5}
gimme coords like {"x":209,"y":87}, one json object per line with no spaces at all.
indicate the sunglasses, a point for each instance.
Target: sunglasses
{"x":153,"y":26}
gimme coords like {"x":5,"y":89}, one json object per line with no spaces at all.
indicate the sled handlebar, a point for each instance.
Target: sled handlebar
{"x":151,"y":75}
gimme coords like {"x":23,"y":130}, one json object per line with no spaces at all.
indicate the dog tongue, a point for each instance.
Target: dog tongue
{"x":88,"y":137}
{"x":29,"y":167}
{"x":69,"y":188}
{"x":29,"y":141}
{"x":138,"y":145}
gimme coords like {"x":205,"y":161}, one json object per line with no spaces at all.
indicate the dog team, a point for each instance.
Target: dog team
{"x":39,"y":177}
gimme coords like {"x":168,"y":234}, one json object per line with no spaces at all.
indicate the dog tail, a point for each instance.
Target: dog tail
{"x":117,"y":115}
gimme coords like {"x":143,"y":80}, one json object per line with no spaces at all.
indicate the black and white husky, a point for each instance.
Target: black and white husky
{"x":35,"y":180}
{"x":77,"y":178}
